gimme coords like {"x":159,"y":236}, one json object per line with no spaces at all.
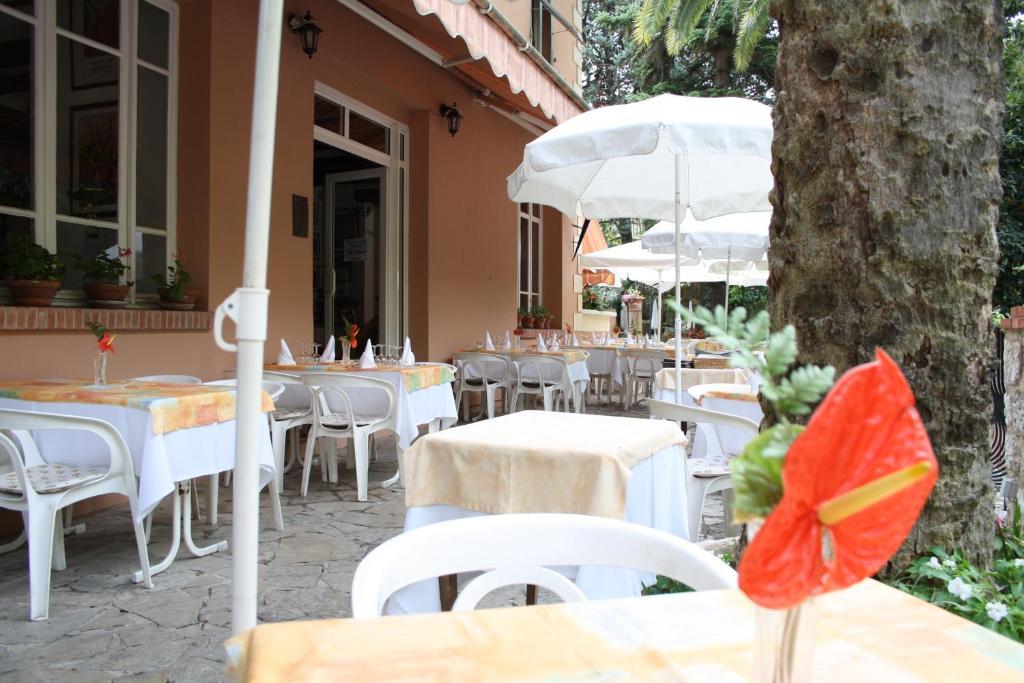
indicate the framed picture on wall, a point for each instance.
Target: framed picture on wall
{"x":98,"y":20}
{"x":93,"y":154}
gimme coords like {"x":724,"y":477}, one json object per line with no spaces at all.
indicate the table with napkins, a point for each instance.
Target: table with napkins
{"x":423,"y":390}
{"x":574,"y":357}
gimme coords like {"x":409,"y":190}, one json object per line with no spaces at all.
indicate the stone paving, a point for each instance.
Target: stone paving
{"x":102,"y":627}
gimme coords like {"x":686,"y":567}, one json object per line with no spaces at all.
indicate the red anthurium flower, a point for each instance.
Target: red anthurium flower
{"x":855,"y":482}
{"x":106,"y":342}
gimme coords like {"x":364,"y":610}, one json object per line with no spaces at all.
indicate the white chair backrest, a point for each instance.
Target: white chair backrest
{"x":519,"y":549}
{"x":16,"y":425}
{"x":473,"y":364}
{"x":647,"y":361}
{"x":296,"y":394}
{"x":169,"y":379}
{"x":551,"y":368}
{"x":733,"y":440}
{"x":664,"y":410}
{"x":273,"y":389}
{"x":350,"y":394}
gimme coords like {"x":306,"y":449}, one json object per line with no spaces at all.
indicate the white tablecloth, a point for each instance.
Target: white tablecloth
{"x":604,"y":362}
{"x":655,"y":497}
{"x":160,"y":460}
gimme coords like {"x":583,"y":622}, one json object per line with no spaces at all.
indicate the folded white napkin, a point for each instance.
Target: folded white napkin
{"x":284,"y":356}
{"x":366,"y":360}
{"x":575,"y":342}
{"x":554,"y":343}
{"x":507,"y":344}
{"x":328,"y":355}
{"x":488,"y":342}
{"x":407,"y":357}
{"x":541,"y":346}
{"x":629,"y":338}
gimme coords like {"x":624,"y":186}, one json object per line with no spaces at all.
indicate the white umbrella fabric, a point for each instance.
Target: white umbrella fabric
{"x":653,"y":159}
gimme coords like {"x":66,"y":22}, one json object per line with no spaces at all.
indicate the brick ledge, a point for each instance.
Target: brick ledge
{"x":22,"y":318}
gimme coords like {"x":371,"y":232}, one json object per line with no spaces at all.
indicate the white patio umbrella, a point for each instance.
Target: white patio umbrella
{"x":653,"y":159}
{"x":247,"y":306}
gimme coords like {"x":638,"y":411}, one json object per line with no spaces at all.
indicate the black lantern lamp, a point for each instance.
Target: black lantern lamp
{"x":308,"y":30}
{"x":454,"y":117}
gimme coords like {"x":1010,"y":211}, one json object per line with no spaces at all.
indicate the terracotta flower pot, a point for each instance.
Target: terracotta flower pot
{"x":527,"y":322}
{"x":186,"y":303}
{"x":33,"y":292}
{"x":106,"y":294}
{"x":635,"y":305}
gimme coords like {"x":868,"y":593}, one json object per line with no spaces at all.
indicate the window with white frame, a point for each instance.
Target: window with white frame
{"x":530,"y":255}
{"x":87,"y":130}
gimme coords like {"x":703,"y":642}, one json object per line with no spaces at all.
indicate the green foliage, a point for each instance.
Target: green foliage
{"x":1009,"y":290}
{"x":663,"y":584}
{"x":96,"y":328}
{"x":23,"y":259}
{"x":754,"y":299}
{"x":601,"y":298}
{"x":104,"y":268}
{"x":791,"y":392}
{"x":172,"y":287}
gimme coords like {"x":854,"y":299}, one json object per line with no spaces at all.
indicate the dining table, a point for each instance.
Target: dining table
{"x":575,"y":359}
{"x":174,"y":432}
{"x":665,"y":381}
{"x":868,"y":632}
{"x":541,"y":461}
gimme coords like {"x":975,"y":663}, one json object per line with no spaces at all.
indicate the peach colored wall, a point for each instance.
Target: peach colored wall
{"x":462,"y":228}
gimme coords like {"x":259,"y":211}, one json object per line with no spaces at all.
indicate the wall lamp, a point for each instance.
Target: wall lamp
{"x":454,"y":117}
{"x":308,"y":30}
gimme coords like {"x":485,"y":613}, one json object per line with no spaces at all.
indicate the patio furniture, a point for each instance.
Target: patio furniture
{"x":336,"y":396}
{"x":868,"y":632}
{"x":603,"y":368}
{"x":708,"y":470}
{"x":169,"y":379}
{"x":519,"y":549}
{"x":545,"y":377}
{"x":175,"y":433}
{"x":665,"y":381}
{"x":536,"y":461}
{"x":642,"y":365}
{"x":293,"y":409}
{"x":482,"y":373}
{"x":40,"y":489}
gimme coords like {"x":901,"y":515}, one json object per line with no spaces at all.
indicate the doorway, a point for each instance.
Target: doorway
{"x":350,"y":217}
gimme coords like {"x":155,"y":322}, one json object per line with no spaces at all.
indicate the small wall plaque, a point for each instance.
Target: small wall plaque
{"x":300,"y":216}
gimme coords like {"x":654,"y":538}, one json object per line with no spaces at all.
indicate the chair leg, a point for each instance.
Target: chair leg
{"x":278,"y":438}
{"x":59,"y":561}
{"x":148,"y":527}
{"x":275,"y":505}
{"x":490,"y":402}
{"x":41,"y":532}
{"x":141,"y":539}
{"x":360,"y":444}
{"x":308,"y":464}
{"x":15,"y":544}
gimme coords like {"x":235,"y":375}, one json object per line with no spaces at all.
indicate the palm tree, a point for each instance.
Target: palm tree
{"x":678,"y":21}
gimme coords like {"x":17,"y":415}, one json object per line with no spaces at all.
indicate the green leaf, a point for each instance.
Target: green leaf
{"x":757,"y":472}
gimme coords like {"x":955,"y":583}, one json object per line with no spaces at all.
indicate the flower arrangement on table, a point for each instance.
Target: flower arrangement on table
{"x":103,"y":275}
{"x":349,"y":340}
{"x":104,"y":345}
{"x":831,"y":505}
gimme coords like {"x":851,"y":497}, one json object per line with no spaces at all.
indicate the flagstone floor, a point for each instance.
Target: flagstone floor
{"x":102,"y":627}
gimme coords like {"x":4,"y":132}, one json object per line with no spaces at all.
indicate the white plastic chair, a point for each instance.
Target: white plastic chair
{"x":293,"y":409}
{"x":519,"y":549}
{"x":642,"y":367}
{"x":169,"y":379}
{"x":335,"y":416}
{"x":274,"y":390}
{"x":710,"y":472}
{"x":546,"y":377}
{"x":482,"y":373}
{"x":39,"y":490}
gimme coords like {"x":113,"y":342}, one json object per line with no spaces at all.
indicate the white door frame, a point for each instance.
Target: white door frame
{"x":394,"y":298}
{"x":327,"y":244}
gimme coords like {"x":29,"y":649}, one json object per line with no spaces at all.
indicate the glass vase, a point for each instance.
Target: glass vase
{"x":99,"y":368}
{"x":784,"y":643}
{"x":346,"y":350}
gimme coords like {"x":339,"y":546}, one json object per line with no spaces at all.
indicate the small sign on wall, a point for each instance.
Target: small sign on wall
{"x":300,"y":216}
{"x":355,"y":250}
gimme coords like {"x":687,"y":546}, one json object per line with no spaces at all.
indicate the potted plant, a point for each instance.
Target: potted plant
{"x":102,"y":276}
{"x":540,"y":317}
{"x":171,"y":288}
{"x":30,"y":271}
{"x":525,"y":317}
{"x":633,"y":299}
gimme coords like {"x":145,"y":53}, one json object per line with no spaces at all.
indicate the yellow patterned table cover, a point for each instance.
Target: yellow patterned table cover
{"x":414,"y":377}
{"x":571,"y":356}
{"x":869,"y":632}
{"x":171,"y":406}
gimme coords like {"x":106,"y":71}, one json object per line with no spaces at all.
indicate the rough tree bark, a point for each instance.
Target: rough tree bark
{"x":888,"y":125}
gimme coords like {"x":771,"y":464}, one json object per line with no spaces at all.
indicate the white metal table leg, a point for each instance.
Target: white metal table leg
{"x":212,"y":493}
{"x":181,"y":514}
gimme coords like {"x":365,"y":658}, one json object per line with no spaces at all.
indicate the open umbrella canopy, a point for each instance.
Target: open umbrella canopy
{"x":736,"y":236}
{"x":620,"y":161}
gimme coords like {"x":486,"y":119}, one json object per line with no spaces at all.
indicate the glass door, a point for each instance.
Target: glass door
{"x":354,"y":220}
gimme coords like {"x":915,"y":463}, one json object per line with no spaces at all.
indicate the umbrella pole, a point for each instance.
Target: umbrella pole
{"x":247,"y":306}
{"x":657,"y":316}
{"x":728,"y":268}
{"x":678,"y":319}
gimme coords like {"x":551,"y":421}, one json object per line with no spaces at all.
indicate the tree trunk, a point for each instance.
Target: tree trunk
{"x":722,"y":53}
{"x":887,"y":138}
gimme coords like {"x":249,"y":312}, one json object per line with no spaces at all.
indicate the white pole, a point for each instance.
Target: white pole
{"x":656,"y":316}
{"x":679,"y":318}
{"x":248,"y":307}
{"x":728,"y":268}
